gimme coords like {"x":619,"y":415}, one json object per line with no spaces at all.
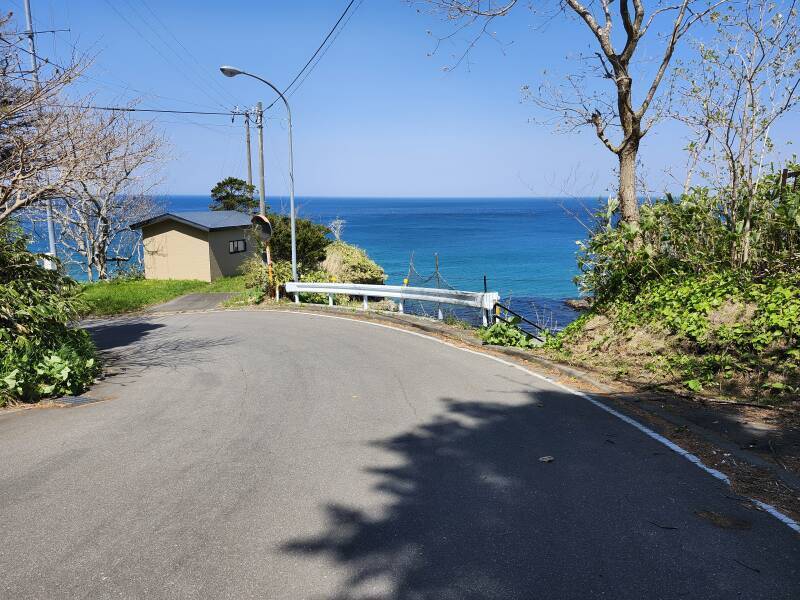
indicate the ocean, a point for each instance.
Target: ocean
{"x":524,"y":246}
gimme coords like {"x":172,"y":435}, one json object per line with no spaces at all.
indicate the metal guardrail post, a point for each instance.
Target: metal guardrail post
{"x":400,"y":307}
{"x":366,"y":303}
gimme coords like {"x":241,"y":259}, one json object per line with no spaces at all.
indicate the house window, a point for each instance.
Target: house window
{"x":236,"y":246}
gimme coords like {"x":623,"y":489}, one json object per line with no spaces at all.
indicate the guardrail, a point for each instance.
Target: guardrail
{"x":483,"y":300}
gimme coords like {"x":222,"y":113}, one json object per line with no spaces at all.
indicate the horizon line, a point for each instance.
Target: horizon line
{"x":208,"y":195}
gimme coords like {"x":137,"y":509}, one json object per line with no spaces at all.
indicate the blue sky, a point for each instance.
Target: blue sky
{"x":378,"y":116}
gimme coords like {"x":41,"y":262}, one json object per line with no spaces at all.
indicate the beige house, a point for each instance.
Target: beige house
{"x":202,"y":245}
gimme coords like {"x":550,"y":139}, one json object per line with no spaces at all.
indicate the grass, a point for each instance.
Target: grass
{"x":226,"y":284}
{"x":129,"y":295}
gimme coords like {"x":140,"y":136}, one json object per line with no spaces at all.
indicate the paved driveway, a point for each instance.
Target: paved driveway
{"x":199,"y":301}
{"x":279,"y":455}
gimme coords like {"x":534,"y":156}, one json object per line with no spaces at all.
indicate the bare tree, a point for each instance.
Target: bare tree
{"x":110,"y":190}
{"x":744,"y":79}
{"x":35,"y":161}
{"x":579,"y":102}
{"x":337,"y":228}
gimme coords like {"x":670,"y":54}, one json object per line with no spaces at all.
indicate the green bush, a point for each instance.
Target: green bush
{"x":692,"y":236}
{"x":719,"y":273}
{"x":349,"y":264}
{"x":41,"y":354}
{"x":506,"y":334}
{"x":315,"y":276}
{"x":255,"y":272}
{"x":256,"y":276}
{"x":725,"y":323}
{"x":311,"y":241}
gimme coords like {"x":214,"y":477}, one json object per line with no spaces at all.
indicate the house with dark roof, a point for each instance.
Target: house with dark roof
{"x":202,"y":245}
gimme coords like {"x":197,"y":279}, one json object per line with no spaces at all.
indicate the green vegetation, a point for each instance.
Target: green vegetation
{"x":41,"y":355}
{"x":233,"y":194}
{"x":704,"y":304}
{"x":311,"y":241}
{"x":233,"y":284}
{"x":128,"y":295}
{"x":348,"y":263}
{"x":506,"y":334}
{"x":319,"y":260}
{"x":123,"y":295}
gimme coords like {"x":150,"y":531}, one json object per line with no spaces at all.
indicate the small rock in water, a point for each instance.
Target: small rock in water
{"x":578,"y":303}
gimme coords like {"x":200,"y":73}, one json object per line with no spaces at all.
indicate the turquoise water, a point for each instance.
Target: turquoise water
{"x":525,"y":247}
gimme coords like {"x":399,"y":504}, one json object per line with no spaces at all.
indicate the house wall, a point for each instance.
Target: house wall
{"x":223,"y":263}
{"x":173,"y":250}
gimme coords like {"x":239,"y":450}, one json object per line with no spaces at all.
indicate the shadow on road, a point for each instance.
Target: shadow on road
{"x":109,"y":335}
{"x":473,"y":513}
{"x":140,"y":343}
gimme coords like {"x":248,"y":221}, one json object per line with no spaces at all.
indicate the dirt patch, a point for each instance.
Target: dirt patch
{"x":730,"y":313}
{"x":723,"y":521}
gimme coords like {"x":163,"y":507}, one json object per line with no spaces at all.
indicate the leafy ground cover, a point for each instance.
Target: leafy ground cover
{"x":716,"y":333}
{"x":41,"y":353}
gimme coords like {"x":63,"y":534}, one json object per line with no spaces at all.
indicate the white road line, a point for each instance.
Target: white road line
{"x":785,"y":519}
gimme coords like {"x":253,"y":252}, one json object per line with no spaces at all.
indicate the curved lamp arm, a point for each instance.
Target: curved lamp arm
{"x":233,"y":72}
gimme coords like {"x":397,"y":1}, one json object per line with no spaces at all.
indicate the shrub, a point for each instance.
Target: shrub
{"x":692,"y":236}
{"x":506,"y":334}
{"x":315,"y":276}
{"x":722,"y":327}
{"x":311,"y":241}
{"x":40,"y":353}
{"x":256,"y":275}
{"x":350,"y":264}
{"x":255,"y":272}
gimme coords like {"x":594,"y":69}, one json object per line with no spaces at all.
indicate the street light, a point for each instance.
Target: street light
{"x":229,"y":71}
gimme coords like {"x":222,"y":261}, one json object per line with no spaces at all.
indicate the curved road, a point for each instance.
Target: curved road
{"x":281,"y":455}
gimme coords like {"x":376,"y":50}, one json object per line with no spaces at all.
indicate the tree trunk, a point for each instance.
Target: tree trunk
{"x":628,"y":150}
{"x":628,"y":202}
{"x":101,"y":256}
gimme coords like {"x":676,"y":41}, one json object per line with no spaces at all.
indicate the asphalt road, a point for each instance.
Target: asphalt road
{"x":278,"y":455}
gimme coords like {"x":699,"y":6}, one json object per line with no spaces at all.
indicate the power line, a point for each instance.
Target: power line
{"x":328,"y":47}
{"x":33,"y":54}
{"x":317,"y":51}
{"x":162,"y":55}
{"x":120,"y":84}
{"x":149,"y":110}
{"x":201,"y":69}
{"x":26,"y":33}
{"x":108,"y":83}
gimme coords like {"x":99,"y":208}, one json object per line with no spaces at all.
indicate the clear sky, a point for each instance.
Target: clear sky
{"x":378,"y":116}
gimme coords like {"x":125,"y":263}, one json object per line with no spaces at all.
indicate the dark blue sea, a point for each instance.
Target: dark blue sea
{"x":525,"y":247}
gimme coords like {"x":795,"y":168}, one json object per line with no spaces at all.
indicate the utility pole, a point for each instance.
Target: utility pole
{"x":247,"y":142}
{"x":51,"y":233}
{"x":260,"y":120}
